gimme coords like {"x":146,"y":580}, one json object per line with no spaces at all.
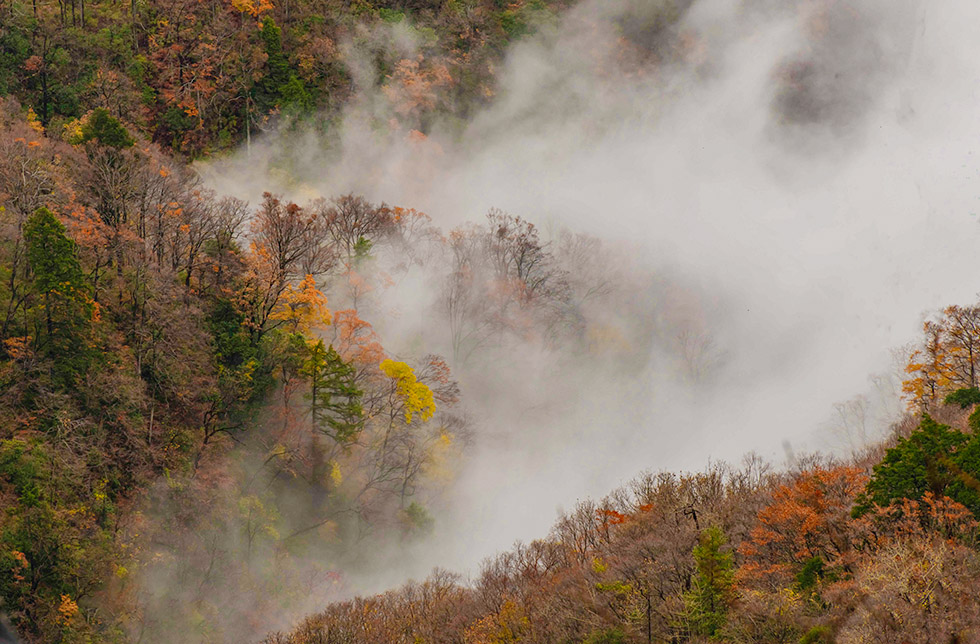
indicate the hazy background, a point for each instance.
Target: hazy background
{"x":794,"y":186}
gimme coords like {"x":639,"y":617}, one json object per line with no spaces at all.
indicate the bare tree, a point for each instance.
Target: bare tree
{"x":350,"y":218}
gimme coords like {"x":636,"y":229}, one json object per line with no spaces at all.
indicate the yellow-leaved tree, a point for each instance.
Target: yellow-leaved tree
{"x":416,"y":396}
{"x":302,"y":307}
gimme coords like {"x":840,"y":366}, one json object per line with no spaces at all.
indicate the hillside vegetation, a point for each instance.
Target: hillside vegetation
{"x":142,"y":340}
{"x":197,"y":77}
{"x":195,"y":439}
{"x":214,"y":414}
{"x":831,"y":551}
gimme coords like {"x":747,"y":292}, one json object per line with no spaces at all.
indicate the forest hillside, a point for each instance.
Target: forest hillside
{"x":303,"y":300}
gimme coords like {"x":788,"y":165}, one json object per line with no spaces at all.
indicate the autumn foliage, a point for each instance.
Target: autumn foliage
{"x":202,"y":394}
{"x":736,"y":555}
{"x":175,"y":381}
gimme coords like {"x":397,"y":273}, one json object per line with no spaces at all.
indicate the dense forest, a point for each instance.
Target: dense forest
{"x":200,"y":77}
{"x":233,"y":421}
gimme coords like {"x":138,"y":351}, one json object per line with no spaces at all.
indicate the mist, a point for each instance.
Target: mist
{"x":791,"y":184}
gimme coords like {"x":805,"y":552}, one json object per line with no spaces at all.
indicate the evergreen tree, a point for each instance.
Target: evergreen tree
{"x":281,"y":86}
{"x":267,"y":89}
{"x":335,"y":399}
{"x":712,"y":591}
{"x":63,"y":308}
{"x":105,"y":129}
{"x":934,"y":458}
{"x":966,"y":397}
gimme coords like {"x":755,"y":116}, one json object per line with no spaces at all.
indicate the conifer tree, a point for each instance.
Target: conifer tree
{"x":107,"y":130}
{"x":63,"y":307}
{"x":934,"y":458}
{"x":335,"y":399}
{"x":712,"y":591}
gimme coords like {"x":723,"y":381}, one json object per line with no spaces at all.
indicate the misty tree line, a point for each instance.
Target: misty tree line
{"x":735,"y":554}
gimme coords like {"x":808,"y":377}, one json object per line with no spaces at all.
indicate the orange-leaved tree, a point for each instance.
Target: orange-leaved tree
{"x":808,"y":519}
